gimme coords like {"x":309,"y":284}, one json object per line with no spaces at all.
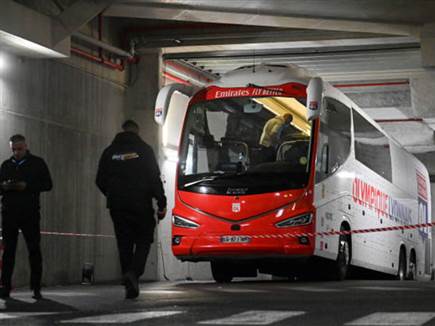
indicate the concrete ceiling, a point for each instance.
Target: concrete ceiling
{"x":350,"y":39}
{"x":387,"y":16}
{"x":393,"y":11}
{"x":280,"y":30}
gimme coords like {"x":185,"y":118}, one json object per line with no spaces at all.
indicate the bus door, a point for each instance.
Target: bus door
{"x":332,"y":189}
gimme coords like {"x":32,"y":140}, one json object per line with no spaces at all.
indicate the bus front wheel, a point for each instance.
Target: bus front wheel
{"x":220,"y":272}
{"x":343,"y":258}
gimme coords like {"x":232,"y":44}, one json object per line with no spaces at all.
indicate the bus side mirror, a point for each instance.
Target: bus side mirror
{"x":325,"y":158}
{"x":164,"y":98}
{"x":314,"y":98}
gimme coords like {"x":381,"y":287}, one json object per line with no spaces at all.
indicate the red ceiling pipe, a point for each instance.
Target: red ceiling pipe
{"x":176,"y":79}
{"x":100,"y":57}
{"x":95,"y":58}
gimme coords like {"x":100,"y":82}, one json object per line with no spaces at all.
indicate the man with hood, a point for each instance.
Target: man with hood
{"x":22,"y":178}
{"x":129,"y":177}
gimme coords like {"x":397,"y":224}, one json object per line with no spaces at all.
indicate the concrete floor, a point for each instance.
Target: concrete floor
{"x":239,"y":303}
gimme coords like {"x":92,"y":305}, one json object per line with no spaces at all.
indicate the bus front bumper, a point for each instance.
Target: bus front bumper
{"x":197,"y":248}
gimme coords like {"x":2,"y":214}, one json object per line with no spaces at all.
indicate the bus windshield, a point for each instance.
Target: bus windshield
{"x":245,"y":145}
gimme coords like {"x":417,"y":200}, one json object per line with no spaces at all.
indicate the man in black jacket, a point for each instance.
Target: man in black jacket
{"x":129,"y":177}
{"x":22,"y":178}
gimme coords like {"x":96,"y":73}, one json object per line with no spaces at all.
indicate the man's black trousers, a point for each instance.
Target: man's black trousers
{"x":28,"y":223}
{"x":134,"y":235}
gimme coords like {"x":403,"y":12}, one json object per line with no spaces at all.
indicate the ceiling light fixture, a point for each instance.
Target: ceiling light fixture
{"x":2,"y":62}
{"x":18,"y":44}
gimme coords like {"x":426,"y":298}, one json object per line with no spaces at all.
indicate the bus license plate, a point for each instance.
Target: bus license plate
{"x":235,"y":239}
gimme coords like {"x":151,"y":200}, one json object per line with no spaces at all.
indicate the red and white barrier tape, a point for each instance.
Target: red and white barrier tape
{"x":333,"y":232}
{"x":275,"y":236}
{"x":71,"y":234}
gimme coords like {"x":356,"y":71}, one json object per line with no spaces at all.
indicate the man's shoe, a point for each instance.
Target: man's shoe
{"x":131,"y":286}
{"x":37,"y":294}
{"x":5,"y":293}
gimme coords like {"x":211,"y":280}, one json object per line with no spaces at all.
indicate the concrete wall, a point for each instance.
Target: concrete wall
{"x":69,"y":110}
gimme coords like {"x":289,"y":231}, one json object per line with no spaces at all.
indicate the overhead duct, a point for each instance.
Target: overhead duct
{"x":103,"y":45}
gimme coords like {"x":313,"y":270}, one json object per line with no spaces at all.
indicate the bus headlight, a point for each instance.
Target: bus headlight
{"x":183,"y":222}
{"x":295,"y":221}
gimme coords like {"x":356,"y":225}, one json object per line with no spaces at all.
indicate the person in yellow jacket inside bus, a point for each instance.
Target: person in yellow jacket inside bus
{"x":273,"y":130}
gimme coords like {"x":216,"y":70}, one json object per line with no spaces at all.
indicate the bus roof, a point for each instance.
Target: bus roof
{"x":263,"y":75}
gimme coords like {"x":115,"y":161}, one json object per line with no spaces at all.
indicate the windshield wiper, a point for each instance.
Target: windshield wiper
{"x":219,"y":177}
{"x":190,"y":184}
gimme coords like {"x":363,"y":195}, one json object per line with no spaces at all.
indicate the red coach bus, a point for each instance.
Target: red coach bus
{"x":266,"y":157}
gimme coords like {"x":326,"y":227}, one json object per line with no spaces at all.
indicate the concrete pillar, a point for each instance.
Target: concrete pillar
{"x":144,"y":84}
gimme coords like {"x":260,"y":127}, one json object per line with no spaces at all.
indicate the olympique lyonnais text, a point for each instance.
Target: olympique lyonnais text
{"x":384,"y":205}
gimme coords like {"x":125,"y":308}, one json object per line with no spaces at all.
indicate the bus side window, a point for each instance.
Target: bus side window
{"x":372,"y":147}
{"x":198,"y":142}
{"x":335,"y":138}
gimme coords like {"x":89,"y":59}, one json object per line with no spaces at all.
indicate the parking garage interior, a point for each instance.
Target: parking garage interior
{"x":71,"y":71}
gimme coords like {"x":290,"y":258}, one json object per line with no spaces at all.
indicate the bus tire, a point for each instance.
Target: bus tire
{"x":220,"y":272}
{"x":343,"y":258}
{"x":401,"y":270}
{"x":412,"y":274}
